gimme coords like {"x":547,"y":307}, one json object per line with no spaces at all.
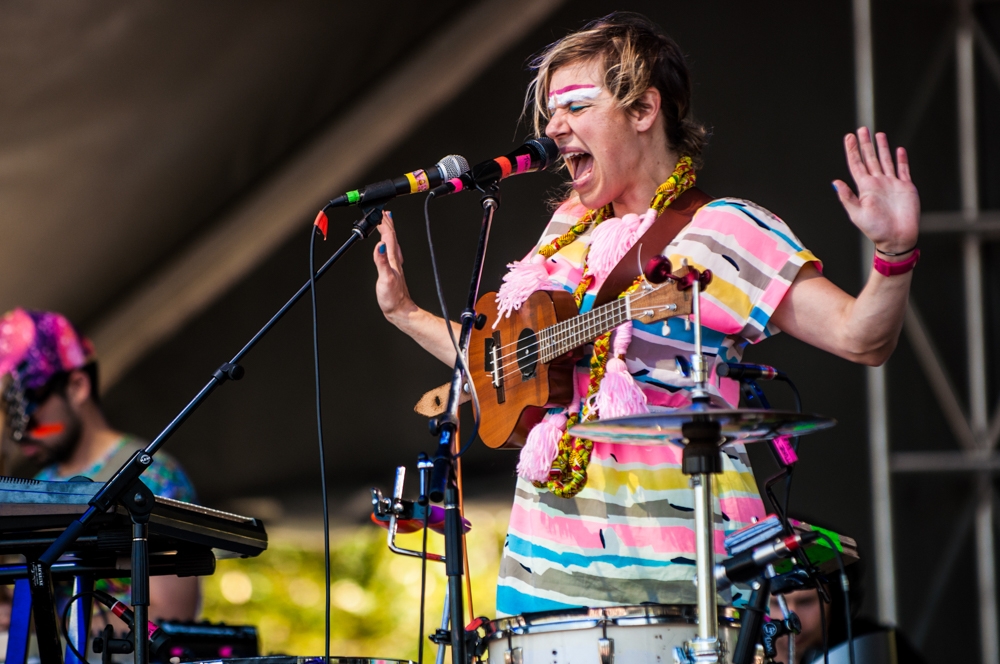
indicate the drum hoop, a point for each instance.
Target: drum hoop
{"x":590,"y":618}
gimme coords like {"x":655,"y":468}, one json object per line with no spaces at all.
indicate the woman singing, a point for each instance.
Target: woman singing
{"x":597,"y":524}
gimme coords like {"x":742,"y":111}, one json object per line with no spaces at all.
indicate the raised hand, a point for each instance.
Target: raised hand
{"x":887,"y":207}
{"x":390,"y":289}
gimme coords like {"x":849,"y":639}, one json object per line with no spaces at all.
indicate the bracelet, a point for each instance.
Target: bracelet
{"x":901,"y":253}
{"x":888,"y":269}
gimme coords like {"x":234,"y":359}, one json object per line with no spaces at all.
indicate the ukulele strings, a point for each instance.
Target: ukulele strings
{"x":568,"y":329}
{"x":552,"y":344}
{"x":575,"y":322}
{"x":574,"y":327}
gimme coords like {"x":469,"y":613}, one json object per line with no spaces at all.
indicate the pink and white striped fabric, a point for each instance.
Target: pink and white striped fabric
{"x":628,"y":536}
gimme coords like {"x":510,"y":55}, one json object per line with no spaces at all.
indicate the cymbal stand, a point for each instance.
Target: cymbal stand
{"x":701,"y":459}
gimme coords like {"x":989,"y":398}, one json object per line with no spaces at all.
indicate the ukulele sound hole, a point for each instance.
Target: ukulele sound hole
{"x":527,"y":353}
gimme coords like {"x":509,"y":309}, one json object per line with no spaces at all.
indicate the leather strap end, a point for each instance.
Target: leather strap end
{"x":434,"y":402}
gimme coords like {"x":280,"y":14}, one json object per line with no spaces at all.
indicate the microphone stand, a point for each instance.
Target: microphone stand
{"x":443,"y":479}
{"x":125,"y":487}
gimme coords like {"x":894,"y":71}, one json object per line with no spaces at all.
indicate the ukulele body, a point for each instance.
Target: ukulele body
{"x":515,"y":397}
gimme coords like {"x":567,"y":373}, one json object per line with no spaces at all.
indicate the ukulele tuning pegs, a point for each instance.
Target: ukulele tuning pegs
{"x":658,"y":269}
{"x":686,"y":280}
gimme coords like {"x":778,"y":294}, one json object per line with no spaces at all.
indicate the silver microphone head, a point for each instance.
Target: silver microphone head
{"x":452,"y":166}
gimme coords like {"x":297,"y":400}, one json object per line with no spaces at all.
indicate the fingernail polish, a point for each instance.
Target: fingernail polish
{"x":834,"y":185}
{"x":381,"y":248}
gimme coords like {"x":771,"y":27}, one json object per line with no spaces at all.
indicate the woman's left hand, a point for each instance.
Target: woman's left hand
{"x":887,"y":207}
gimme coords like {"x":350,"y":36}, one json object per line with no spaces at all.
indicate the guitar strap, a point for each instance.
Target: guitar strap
{"x":666,"y":227}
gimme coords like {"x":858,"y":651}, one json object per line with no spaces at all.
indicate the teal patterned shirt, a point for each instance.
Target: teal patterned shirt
{"x":164,"y":477}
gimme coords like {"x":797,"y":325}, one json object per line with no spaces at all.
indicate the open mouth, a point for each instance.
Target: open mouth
{"x":580,"y":165}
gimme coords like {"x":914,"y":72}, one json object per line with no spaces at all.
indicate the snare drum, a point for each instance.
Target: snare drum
{"x":644,"y":634}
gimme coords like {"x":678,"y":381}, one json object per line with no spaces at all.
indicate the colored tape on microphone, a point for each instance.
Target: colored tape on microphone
{"x":523,"y":163}
{"x":505,"y":167}
{"x":418,"y":181}
{"x":414,"y":186}
{"x":457,"y":184}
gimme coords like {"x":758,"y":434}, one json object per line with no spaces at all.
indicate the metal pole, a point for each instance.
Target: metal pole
{"x":708,"y":627}
{"x":975,"y":328}
{"x":878,"y":419}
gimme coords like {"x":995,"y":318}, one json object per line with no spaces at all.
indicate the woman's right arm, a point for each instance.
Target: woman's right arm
{"x":399,"y":308}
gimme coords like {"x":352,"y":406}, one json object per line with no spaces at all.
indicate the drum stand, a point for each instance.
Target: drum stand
{"x":701,"y":459}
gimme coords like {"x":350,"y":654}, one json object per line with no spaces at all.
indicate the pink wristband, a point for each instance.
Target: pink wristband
{"x":888,"y":269}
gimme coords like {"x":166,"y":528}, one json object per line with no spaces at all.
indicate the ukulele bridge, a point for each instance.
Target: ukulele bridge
{"x":494,"y":364}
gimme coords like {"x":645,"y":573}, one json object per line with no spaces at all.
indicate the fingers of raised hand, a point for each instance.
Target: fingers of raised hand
{"x":387,"y":231}
{"x":868,"y":151}
{"x":864,"y":160}
{"x":885,"y":154}
{"x":854,"y":161}
{"x":903,"y":167}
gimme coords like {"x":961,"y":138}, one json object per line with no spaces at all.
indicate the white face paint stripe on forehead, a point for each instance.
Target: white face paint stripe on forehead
{"x":572,"y":93}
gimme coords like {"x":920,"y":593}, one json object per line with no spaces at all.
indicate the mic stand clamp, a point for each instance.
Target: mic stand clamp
{"x":107,"y":645}
{"x":367,"y":224}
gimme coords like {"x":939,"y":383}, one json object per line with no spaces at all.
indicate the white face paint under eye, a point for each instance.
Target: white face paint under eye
{"x":572,"y":94}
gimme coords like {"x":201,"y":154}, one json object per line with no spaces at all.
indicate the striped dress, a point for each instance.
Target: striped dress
{"x":628,"y":536}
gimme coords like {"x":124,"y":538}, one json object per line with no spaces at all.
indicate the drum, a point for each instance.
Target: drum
{"x":644,"y":634}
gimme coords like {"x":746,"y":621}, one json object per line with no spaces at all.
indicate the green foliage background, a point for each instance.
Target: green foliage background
{"x":375,"y":593}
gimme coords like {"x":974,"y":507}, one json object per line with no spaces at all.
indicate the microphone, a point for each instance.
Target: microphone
{"x":748,"y":564}
{"x":535,"y":154}
{"x":750,"y":372}
{"x":414,"y":182}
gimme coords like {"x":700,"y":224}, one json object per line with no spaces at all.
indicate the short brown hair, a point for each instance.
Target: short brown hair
{"x":636,"y":54}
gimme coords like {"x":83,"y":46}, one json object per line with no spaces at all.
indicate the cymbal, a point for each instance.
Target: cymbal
{"x":737,"y":425}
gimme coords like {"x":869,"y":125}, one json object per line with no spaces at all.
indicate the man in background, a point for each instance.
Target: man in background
{"x":53,"y":415}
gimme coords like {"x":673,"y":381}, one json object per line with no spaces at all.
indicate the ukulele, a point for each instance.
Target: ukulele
{"x":525,"y":365}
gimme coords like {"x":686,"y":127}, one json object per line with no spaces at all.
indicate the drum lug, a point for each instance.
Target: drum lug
{"x":698,"y":651}
{"x":513,"y":656}
{"x":606,"y":649}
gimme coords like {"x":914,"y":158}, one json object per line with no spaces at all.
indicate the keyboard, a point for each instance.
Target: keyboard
{"x":34,"y":512}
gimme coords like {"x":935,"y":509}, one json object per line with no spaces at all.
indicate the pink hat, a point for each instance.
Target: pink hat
{"x":36,"y":345}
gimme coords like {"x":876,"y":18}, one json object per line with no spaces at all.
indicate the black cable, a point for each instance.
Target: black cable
{"x":845,"y":587}
{"x":460,"y":356}
{"x":423,"y":586}
{"x":794,"y":441}
{"x":319,"y":433}
{"x":65,"y":626}
{"x":822,"y":625}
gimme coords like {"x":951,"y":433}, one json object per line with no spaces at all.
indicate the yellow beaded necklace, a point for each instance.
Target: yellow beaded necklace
{"x":568,"y":474}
